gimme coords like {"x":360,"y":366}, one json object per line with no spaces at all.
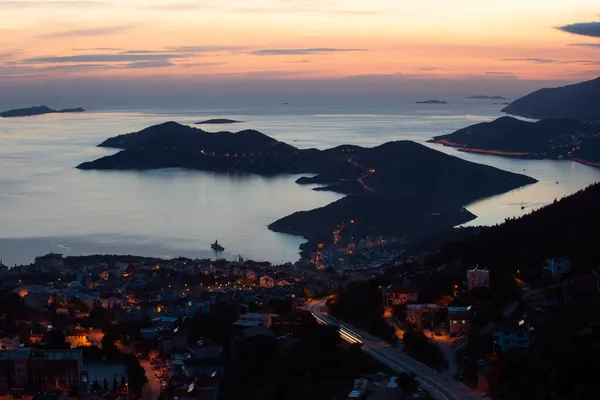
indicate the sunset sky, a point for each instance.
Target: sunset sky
{"x":375,"y":41}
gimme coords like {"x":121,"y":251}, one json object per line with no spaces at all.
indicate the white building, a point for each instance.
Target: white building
{"x":250,"y":275}
{"x":557,"y":267}
{"x":266,"y":281}
{"x":9,"y":341}
{"x":513,"y":335}
{"x":249,"y":320}
{"x":478,"y":277}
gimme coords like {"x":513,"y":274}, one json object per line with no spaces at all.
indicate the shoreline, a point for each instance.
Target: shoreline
{"x":519,"y":155}
{"x":509,"y":154}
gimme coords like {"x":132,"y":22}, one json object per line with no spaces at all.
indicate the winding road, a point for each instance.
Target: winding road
{"x":361,"y":178}
{"x":440,"y":387}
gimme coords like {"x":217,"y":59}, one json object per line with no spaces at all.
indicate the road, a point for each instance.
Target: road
{"x":440,"y":387}
{"x":361,"y":178}
{"x":151,"y":390}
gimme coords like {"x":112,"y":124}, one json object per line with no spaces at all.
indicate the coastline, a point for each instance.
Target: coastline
{"x":306,"y":137}
{"x":464,"y":148}
{"x":518,"y":155}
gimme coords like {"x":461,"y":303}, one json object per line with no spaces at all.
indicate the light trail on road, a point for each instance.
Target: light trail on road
{"x":438,"y":386}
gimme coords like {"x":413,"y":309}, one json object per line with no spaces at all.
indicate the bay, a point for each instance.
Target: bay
{"x":48,"y":205}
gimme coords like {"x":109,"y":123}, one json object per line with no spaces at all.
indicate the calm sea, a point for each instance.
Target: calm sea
{"x":46,"y":205}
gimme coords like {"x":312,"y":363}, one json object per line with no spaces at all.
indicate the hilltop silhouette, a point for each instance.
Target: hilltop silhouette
{"x":395,"y":188}
{"x":579,"y":101}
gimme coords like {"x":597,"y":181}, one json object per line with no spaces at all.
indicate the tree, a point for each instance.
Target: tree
{"x":55,"y":339}
{"x":91,"y":353}
{"x":360,"y":304}
{"x":105,"y":385}
{"x":407,"y":382}
{"x":115,"y":386}
{"x":136,"y":375}
{"x":109,"y":348}
{"x":123,"y":382}
{"x":419,"y":347}
{"x":95,"y":385}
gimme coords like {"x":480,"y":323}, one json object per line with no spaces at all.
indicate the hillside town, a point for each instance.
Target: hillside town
{"x":109,"y":326}
{"x":77,"y":325}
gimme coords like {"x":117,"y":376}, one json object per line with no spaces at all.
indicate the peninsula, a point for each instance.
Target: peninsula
{"x":37,"y":110}
{"x":398,"y":188}
{"x":548,"y":138}
{"x":579,"y":101}
{"x":431,"y":102}
{"x":218,"y":121}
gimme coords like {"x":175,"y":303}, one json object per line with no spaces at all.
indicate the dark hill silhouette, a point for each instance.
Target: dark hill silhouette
{"x":548,"y":138}
{"x":174,"y":136}
{"x":520,"y":247}
{"x":37,"y":110}
{"x":396,"y":187}
{"x":579,"y":101}
{"x":563,"y":228}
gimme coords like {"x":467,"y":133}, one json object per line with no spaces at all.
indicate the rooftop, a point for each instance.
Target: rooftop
{"x":20,"y":353}
{"x":246,"y":323}
{"x":56,"y":354}
{"x":456,"y":315}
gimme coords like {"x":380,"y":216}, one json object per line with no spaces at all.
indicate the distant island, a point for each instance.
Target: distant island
{"x":578,"y":101}
{"x":431,"y":102}
{"x":37,"y":110}
{"x":548,"y":138}
{"x":484,"y":97}
{"x":218,"y":121}
{"x":398,"y":188}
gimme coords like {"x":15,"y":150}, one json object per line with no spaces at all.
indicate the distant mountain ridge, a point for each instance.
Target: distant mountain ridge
{"x":579,"y":101}
{"x":431,"y":102}
{"x":484,"y":97}
{"x":37,"y":110}
{"x":396,"y":188}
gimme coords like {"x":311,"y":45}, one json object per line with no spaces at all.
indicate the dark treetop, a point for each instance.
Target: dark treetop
{"x":398,"y":187}
{"x":37,"y":110}
{"x":581,"y":101}
{"x":548,"y":138}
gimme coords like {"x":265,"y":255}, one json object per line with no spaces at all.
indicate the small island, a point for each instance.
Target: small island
{"x":218,"y":121}
{"x":398,"y":188}
{"x":558,"y":138}
{"x":484,"y":97}
{"x":431,"y":102}
{"x":37,"y":110}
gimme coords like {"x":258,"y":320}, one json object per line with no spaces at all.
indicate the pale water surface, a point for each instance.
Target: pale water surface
{"x":48,"y":205}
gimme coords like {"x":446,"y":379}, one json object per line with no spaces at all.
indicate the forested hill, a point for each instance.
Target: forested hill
{"x":580,"y":101}
{"x":568,"y":227}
